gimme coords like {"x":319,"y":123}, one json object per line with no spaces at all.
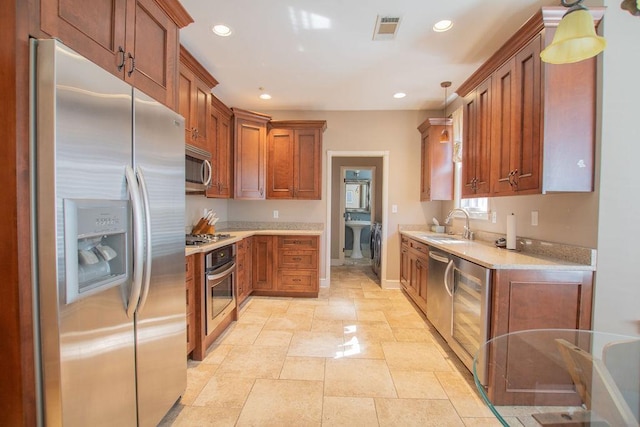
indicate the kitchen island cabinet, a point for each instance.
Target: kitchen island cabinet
{"x":436,"y":173}
{"x":294,"y":159}
{"x":537,"y":127}
{"x":250,"y":145}
{"x":136,"y":40}
{"x":194,"y":100}
{"x":532,"y":299}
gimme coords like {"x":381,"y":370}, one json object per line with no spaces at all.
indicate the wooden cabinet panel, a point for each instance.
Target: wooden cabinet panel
{"x":136,"y":40}
{"x":250,"y":144}
{"x":298,"y":242}
{"x":220,"y":144}
{"x":476,"y":162}
{"x":263,"y":263}
{"x":297,"y":280}
{"x":297,"y":259}
{"x":194,"y":102}
{"x":533,"y":299}
{"x":414,"y":264}
{"x":294,"y":162}
{"x":404,"y":264}
{"x":436,"y":173}
{"x":279,"y":164}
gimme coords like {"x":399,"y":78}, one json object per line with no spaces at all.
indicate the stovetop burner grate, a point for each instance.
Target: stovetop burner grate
{"x":201,"y":239}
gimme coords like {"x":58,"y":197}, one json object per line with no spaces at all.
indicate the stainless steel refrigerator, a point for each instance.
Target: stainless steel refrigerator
{"x":109,"y":245}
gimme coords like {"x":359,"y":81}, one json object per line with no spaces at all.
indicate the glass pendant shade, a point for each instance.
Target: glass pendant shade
{"x":444,"y":136}
{"x":574,"y":40}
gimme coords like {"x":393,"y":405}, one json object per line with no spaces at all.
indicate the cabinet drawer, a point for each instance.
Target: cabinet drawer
{"x":189,"y":263}
{"x":404,"y":240}
{"x":420,"y":247}
{"x":298,"y":242}
{"x":298,"y":280}
{"x":298,"y":259}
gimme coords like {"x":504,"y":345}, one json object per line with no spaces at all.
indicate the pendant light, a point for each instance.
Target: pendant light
{"x":575,"y":38}
{"x":444,"y":136}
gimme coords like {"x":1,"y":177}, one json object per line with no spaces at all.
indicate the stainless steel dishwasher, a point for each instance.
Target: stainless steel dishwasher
{"x":458,"y":303}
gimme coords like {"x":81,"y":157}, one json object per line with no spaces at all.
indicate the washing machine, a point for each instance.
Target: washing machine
{"x":376,"y":247}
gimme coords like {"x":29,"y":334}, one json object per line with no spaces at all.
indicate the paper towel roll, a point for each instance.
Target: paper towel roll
{"x":511,"y":231}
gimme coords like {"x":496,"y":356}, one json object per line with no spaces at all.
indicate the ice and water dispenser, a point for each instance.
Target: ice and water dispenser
{"x":96,"y":246}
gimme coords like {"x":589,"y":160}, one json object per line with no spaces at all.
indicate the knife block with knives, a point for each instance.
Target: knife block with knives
{"x":206,"y":224}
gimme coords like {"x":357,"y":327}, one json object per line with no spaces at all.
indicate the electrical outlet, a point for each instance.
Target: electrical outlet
{"x":276,"y":214}
{"x":494,"y":217}
{"x":534,"y":218}
{"x":394,"y":208}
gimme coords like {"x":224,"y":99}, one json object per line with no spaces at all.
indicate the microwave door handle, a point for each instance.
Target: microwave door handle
{"x":222,"y":274}
{"x":147,"y":222}
{"x":206,"y":172}
{"x":138,"y":240}
{"x":447,"y":272}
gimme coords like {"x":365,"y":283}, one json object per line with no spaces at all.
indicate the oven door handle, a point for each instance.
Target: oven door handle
{"x":223,"y":274}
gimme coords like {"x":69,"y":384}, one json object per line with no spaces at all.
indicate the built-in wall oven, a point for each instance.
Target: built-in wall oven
{"x":220,"y":271}
{"x":458,"y":294}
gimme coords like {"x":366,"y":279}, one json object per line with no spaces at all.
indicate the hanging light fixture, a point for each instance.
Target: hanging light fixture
{"x":444,"y":136}
{"x":575,"y":38}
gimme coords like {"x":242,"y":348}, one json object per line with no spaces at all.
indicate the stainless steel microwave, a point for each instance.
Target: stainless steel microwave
{"x":197,"y":169}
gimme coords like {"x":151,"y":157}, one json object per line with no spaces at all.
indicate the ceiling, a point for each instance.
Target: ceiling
{"x":319,"y":54}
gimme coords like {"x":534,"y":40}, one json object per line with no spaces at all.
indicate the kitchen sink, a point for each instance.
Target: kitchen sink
{"x":442,"y":239}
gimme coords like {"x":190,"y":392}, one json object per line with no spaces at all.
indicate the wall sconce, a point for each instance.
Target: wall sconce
{"x":631,"y":6}
{"x":444,"y":136}
{"x":575,"y":38}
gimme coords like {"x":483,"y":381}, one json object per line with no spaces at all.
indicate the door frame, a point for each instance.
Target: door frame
{"x":385,"y":209}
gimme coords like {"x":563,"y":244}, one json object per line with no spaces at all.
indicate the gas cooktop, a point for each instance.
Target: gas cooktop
{"x":203,"y":239}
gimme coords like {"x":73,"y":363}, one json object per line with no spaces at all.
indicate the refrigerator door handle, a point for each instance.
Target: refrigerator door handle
{"x":147,"y":222}
{"x":138,"y":240}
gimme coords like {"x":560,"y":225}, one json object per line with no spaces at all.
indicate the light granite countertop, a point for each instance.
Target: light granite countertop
{"x":534,"y":256}
{"x":237,"y":235}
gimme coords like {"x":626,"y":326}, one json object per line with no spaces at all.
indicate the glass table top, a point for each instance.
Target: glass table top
{"x":560,"y":377}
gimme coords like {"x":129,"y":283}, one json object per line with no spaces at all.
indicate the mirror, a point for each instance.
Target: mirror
{"x":357,"y":195}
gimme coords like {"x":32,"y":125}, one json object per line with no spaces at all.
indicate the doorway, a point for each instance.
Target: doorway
{"x":377,"y":161}
{"x":358,"y":214}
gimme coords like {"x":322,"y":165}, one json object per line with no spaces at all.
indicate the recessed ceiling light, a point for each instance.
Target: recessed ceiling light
{"x":265,"y":96}
{"x":221,"y":30}
{"x":441,"y":26}
{"x":399,"y":95}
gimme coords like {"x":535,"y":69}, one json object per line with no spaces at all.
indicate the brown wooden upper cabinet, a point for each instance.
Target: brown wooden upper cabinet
{"x":436,"y":177}
{"x":136,"y":40}
{"x":194,"y":95}
{"x":221,"y":147}
{"x":294,"y":159}
{"x":250,"y":145}
{"x":529,"y":126}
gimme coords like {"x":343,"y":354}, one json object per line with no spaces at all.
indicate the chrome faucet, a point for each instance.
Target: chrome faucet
{"x":467,"y":234}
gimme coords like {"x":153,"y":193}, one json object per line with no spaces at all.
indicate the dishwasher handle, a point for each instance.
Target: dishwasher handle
{"x":440,"y":258}
{"x":447,"y":273}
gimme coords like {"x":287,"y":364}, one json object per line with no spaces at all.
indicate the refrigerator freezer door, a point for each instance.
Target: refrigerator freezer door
{"x":83,"y":143}
{"x":161,"y":317}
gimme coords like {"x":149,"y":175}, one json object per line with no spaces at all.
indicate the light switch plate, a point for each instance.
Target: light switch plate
{"x":534,"y":218}
{"x":394,"y":208}
{"x":276,"y":214}
{"x":494,"y":217}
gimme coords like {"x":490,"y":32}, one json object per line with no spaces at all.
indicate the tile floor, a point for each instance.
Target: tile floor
{"x":356,"y":356}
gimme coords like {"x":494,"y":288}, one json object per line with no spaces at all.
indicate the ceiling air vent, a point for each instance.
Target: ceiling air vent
{"x":386,"y":27}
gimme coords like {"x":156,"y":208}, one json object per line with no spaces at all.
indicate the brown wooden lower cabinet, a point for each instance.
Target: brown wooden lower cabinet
{"x":285,"y":266}
{"x":535,"y":299}
{"x":244,"y":268}
{"x":414,"y":264}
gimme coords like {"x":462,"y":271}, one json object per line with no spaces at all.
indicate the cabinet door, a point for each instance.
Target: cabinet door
{"x":95,"y":29}
{"x":425,"y":167}
{"x":421,"y":279}
{"x":201,"y":113}
{"x":533,"y":299}
{"x":250,"y":138}
{"x":476,"y":163}
{"x":526,"y":154}
{"x":280,"y":164}
{"x":186,"y":104}
{"x":152,"y":51}
{"x":263,"y":278}
{"x":248,"y":265}
{"x":404,"y":264}
{"x":224,"y":157}
{"x":307,"y":164}
{"x":504,"y":128}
